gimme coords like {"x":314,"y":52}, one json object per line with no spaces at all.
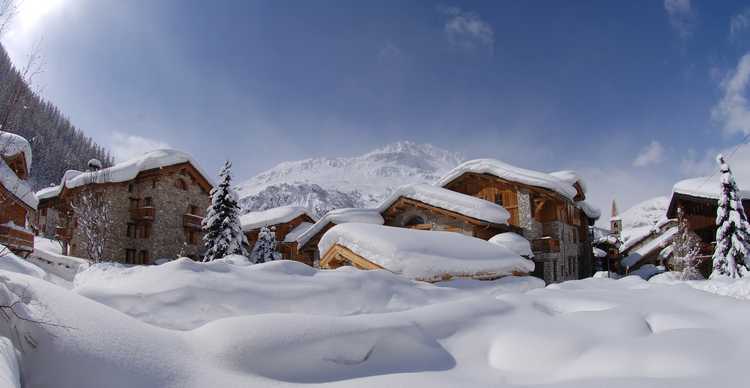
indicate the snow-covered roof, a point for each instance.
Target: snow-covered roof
{"x":706,"y":187}
{"x":515,"y":242}
{"x":341,"y":216}
{"x":589,"y":210}
{"x":570,"y":177}
{"x":425,"y":255}
{"x":297,"y":231}
{"x":658,"y":242}
{"x":278,"y":215}
{"x":17,"y":186}
{"x":511,"y":173}
{"x":124,"y":171}
{"x":450,"y":200}
{"x":12,"y":145}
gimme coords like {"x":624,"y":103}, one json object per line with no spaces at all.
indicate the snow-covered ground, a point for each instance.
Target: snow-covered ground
{"x":227,"y":324}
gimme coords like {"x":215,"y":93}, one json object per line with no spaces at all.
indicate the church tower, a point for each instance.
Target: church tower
{"x":615,"y":222}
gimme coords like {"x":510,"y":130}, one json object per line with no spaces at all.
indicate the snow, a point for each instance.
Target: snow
{"x":721,"y":285}
{"x":450,"y":200}
{"x":586,"y":333}
{"x":341,"y":216}
{"x":425,"y":255}
{"x":10,"y":375}
{"x":570,"y":177}
{"x":511,"y":173}
{"x":12,"y":145}
{"x":515,"y":242}
{"x":647,"y":271}
{"x":295,"y":233}
{"x":279,"y":215}
{"x":708,"y":187}
{"x":598,"y":253}
{"x":589,"y":210}
{"x":659,"y":242}
{"x":11,"y":262}
{"x":124,"y":171}
{"x":46,"y":255}
{"x":17,"y":186}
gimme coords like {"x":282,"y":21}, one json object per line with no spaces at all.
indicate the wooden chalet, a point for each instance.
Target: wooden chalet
{"x":307,"y":242}
{"x":17,"y":200}
{"x":287,"y":222}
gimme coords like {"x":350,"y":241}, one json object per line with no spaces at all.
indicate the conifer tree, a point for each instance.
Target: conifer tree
{"x":732,"y":233}
{"x":222,"y":230}
{"x":265,"y":248}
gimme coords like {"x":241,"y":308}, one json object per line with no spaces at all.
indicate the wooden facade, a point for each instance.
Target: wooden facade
{"x":288,"y":249}
{"x":15,"y":214}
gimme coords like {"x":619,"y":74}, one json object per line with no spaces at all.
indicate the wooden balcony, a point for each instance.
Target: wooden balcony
{"x":16,"y":240}
{"x":63,"y":233}
{"x":545,"y":245}
{"x":192,"y":221}
{"x":142,"y":213}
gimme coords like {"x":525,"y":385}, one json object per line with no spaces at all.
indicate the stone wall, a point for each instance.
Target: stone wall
{"x":439,"y":221}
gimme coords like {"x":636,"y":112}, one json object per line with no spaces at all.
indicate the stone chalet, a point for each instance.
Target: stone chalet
{"x":157,"y":201}
{"x":17,"y":200}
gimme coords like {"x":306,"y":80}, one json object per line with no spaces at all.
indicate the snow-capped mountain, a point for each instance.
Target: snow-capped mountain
{"x":646,"y":213}
{"x":323,"y":184}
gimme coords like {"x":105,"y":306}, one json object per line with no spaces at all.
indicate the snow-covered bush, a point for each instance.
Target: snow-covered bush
{"x":685,"y":249}
{"x":265,"y":247}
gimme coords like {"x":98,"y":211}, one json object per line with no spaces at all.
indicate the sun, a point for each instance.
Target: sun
{"x":31,"y":12}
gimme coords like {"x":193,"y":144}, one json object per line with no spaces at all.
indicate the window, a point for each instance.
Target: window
{"x":130,"y":256}
{"x":131,"y":230}
{"x":145,"y":231}
{"x":143,"y":257}
{"x":148,"y":202}
{"x":192,"y":236}
{"x":153,"y":184}
{"x":499,"y":199}
{"x":180,"y":184}
{"x":130,"y":187}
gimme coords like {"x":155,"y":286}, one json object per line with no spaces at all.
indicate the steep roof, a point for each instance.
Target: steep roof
{"x":124,"y":171}
{"x":16,"y":186}
{"x":12,"y":145}
{"x":467,"y":205}
{"x":278,"y":215}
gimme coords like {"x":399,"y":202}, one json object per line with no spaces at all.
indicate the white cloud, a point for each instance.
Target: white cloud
{"x":467,"y":29}
{"x":125,"y":146}
{"x":738,"y":157}
{"x":732,"y":110}
{"x":739,"y":22}
{"x":651,"y":154}
{"x":681,"y":16}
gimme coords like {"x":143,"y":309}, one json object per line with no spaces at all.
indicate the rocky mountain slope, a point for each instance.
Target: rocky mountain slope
{"x":323,"y":184}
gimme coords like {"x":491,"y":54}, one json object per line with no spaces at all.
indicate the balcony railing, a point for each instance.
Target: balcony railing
{"x":192,"y":221}
{"x":16,"y":239}
{"x":142,"y":213}
{"x":545,"y":245}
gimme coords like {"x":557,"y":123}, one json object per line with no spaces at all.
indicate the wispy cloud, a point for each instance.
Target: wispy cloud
{"x":649,"y":155}
{"x":125,"y":146}
{"x":732,"y":110}
{"x":681,"y":16}
{"x":467,"y":29}
{"x":739,"y":23}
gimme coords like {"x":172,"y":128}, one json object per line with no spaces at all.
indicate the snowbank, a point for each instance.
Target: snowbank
{"x":511,"y":173}
{"x":11,"y":262}
{"x":425,"y":255}
{"x":279,"y":215}
{"x":587,"y":333}
{"x":52,"y":262}
{"x":124,"y":171}
{"x":515,"y":242}
{"x":10,"y":375}
{"x":450,"y":200}
{"x":735,"y":288}
{"x":341,"y":216}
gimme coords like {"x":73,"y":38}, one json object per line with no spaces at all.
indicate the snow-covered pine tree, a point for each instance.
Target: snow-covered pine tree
{"x":222,"y":230}
{"x":265,"y":248}
{"x":732,"y":234}
{"x":686,"y":246}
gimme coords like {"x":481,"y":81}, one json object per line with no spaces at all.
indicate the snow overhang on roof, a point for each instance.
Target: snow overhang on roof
{"x":341,"y":216}
{"x":511,"y":173}
{"x":463,"y":204}
{"x":16,"y":186}
{"x":124,"y":171}
{"x":279,"y":215}
{"x":425,"y":255}
{"x":12,"y":145}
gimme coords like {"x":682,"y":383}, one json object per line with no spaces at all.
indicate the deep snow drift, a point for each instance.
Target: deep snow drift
{"x":307,"y":329}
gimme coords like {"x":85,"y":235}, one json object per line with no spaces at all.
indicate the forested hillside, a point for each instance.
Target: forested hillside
{"x":56,"y":144}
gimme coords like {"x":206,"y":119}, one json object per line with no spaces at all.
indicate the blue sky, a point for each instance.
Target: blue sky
{"x":634,"y":94}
